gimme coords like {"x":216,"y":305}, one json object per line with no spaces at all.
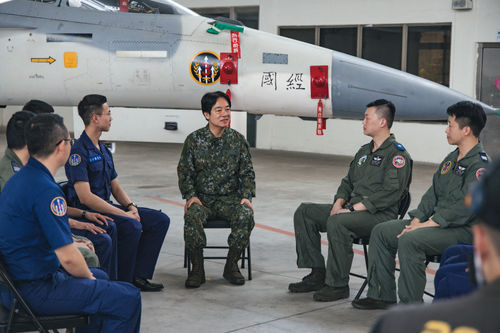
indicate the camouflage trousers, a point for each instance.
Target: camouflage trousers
{"x":240,"y":218}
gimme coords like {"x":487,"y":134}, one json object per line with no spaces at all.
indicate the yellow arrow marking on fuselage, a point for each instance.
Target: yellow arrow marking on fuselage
{"x":49,"y":60}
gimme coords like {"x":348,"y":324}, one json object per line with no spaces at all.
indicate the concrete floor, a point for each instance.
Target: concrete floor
{"x":284,"y":180}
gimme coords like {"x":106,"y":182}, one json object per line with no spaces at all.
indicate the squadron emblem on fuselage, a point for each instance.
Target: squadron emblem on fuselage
{"x":205,"y":67}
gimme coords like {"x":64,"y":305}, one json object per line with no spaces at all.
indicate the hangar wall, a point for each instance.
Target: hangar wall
{"x":469,"y":27}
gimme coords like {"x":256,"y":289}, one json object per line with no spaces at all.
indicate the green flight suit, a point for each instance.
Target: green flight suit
{"x":443,"y":202}
{"x":219,"y":172}
{"x":378,"y":179}
{"x":9,"y":165}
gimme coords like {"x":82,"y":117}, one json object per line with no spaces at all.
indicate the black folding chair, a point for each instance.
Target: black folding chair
{"x":221,"y":224}
{"x":20,"y":318}
{"x":404,"y":204}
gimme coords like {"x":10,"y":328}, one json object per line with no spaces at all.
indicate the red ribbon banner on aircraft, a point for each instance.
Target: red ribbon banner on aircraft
{"x":235,"y":43}
{"x":319,"y":119}
{"x":228,"y":93}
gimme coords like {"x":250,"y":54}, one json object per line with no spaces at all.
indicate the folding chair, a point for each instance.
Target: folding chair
{"x":435,"y":259}
{"x":221,"y":224}
{"x":20,"y":318}
{"x":403,"y":208}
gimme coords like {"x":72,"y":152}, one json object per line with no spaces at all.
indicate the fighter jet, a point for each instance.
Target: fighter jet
{"x":159,"y":54}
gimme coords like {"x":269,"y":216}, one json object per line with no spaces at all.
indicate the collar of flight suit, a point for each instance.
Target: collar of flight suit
{"x":471,"y":153}
{"x":389,"y":141}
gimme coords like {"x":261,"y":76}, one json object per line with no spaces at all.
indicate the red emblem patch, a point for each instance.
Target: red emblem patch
{"x":398,"y":161}
{"x":480,"y":172}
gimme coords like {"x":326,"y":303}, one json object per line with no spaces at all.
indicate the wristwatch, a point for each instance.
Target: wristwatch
{"x":350,"y":207}
{"x":131,"y":204}
{"x":84,"y":212}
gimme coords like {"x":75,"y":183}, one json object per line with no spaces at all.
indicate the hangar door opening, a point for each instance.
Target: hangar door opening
{"x":488,"y":91}
{"x":489,"y":74}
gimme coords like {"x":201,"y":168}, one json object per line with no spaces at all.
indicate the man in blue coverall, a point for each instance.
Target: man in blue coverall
{"x":36,"y":242}
{"x":91,"y":181}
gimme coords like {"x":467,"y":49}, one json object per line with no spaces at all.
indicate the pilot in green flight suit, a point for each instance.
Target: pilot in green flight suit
{"x":378,"y":178}
{"x":440,"y":220}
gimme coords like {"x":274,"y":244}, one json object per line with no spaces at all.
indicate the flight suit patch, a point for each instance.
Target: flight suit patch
{"x":95,"y":158}
{"x":484,"y":157}
{"x":480,"y":173}
{"x":399,"y":146}
{"x":362,"y":160}
{"x":460,"y":170}
{"x":75,"y":160}
{"x":446,"y":167}
{"x":377,"y":160}
{"x":398,"y":161}
{"x":15,"y":167}
{"x":58,"y":206}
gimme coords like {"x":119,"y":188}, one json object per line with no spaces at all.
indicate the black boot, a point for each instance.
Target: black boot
{"x":231,"y":271}
{"x":312,"y":282}
{"x":197,"y":275}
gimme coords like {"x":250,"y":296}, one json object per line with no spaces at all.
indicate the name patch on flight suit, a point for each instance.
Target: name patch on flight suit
{"x":15,"y":167}
{"x":95,"y":158}
{"x":362,"y":160}
{"x":460,"y":170}
{"x":377,"y":160}
{"x":58,"y":206}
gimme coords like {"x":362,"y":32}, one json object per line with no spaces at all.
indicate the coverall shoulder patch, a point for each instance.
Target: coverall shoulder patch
{"x":75,"y":160}
{"x":480,"y":172}
{"x":15,"y":166}
{"x":446,"y":167}
{"x":399,"y":146}
{"x":58,"y":206}
{"x":484,"y":157}
{"x":398,"y":161}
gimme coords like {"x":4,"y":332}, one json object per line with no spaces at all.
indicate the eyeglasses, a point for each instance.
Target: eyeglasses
{"x":70,"y":140}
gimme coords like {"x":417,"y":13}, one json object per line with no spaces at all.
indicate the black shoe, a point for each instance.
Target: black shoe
{"x":145,"y":285}
{"x":330,"y":294}
{"x":311,"y":282}
{"x":371,"y":304}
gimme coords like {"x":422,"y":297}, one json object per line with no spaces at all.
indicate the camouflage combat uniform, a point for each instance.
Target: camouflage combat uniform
{"x":219,"y":172}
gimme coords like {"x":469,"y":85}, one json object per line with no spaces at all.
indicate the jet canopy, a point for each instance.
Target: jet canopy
{"x":134,"y":6}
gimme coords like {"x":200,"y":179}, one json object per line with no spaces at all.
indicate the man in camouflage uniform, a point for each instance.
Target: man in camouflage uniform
{"x":217,"y":180}
{"x":440,"y":220}
{"x":378,"y":178}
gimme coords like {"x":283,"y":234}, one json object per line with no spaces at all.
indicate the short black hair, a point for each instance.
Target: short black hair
{"x":15,"y":129}
{"x":385,"y":109}
{"x":37,"y":106}
{"x":209,"y":99}
{"x":470,"y":114}
{"x":43,"y":133}
{"x":89,"y":105}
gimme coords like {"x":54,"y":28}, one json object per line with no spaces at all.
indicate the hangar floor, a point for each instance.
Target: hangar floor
{"x":284,"y":179}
